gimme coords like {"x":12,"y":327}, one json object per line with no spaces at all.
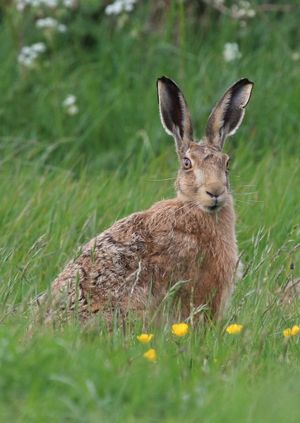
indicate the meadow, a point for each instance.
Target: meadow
{"x":81,"y":145}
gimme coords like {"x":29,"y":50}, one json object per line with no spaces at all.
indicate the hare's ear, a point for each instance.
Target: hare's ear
{"x":174,"y":114}
{"x":228,"y":113}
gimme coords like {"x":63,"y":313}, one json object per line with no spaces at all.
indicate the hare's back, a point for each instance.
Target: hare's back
{"x":104,"y":266}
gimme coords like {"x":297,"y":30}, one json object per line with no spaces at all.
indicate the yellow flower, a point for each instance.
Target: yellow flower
{"x":234,"y":329}
{"x":180,"y":329}
{"x":144,"y":338}
{"x":295,"y":330}
{"x":151,"y":355}
{"x":287,"y":332}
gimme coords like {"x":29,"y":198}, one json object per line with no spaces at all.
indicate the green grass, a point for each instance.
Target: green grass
{"x":64,"y":179}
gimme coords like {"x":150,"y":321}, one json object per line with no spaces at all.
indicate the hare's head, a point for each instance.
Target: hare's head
{"x":203,"y":174}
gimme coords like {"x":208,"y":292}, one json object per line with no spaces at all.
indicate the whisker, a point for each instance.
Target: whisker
{"x":161,"y":180}
{"x":246,"y":193}
{"x":248,"y":201}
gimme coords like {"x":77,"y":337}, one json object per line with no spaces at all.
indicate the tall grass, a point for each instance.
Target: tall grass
{"x":64,"y":179}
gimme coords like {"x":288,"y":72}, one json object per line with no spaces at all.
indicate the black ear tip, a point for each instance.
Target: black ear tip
{"x":245,"y":81}
{"x":168,"y":82}
{"x":163,"y":79}
{"x":160,"y":80}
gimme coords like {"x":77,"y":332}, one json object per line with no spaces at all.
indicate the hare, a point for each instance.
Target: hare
{"x":190,"y":238}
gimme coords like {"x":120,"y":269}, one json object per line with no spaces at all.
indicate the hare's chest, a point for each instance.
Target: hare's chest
{"x":175,"y":254}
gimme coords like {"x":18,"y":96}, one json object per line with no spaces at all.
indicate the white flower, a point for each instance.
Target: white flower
{"x":61,"y":28}
{"x":295,"y":56}
{"x":73,"y":110}
{"x":46,"y":23}
{"x":29,"y":54}
{"x":70,"y":100}
{"x":231,"y":52}
{"x":243,"y":10}
{"x":38,"y":48}
{"x":120,"y":6}
{"x":70,"y":106}
{"x":20,"y":5}
{"x":113,"y":9}
{"x":50,"y":23}
{"x":69,"y":3}
{"x":52,"y":4}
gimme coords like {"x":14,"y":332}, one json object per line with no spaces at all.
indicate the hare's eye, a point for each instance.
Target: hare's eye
{"x":187,"y":164}
{"x":228,"y":166}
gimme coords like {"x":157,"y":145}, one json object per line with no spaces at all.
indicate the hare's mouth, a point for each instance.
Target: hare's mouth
{"x":214,"y":208}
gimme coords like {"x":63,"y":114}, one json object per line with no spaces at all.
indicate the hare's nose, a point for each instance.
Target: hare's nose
{"x":215,"y":193}
{"x":210,"y":194}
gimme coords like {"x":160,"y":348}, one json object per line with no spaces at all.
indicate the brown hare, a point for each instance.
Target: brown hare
{"x":191,"y":238}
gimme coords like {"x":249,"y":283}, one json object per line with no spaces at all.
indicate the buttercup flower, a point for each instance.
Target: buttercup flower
{"x":180,"y":329}
{"x":144,"y":338}
{"x":151,"y":355}
{"x":295,"y":330}
{"x":234,"y":329}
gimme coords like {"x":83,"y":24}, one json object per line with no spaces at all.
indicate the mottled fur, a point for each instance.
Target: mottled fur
{"x":132,"y":265}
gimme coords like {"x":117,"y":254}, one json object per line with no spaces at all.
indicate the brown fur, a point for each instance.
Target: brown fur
{"x":132,"y":265}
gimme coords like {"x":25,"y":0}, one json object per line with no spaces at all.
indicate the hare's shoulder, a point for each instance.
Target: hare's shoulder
{"x":127,"y":231}
{"x":140,"y":231}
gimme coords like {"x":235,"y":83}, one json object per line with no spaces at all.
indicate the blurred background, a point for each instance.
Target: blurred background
{"x":79,"y":76}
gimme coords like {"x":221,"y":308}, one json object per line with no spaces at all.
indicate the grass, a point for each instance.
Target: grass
{"x":64,"y":179}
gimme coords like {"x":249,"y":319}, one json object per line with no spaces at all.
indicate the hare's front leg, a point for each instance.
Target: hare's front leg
{"x":226,"y":291}
{"x":212,"y":292}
